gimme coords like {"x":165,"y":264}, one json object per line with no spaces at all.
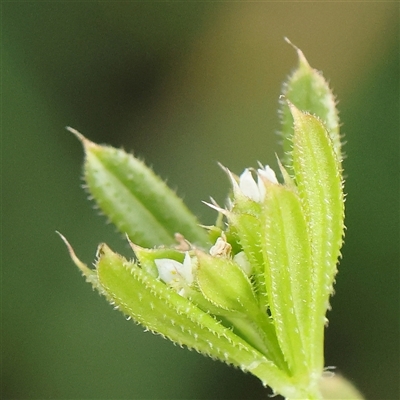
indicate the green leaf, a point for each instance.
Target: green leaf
{"x":160,"y":309}
{"x":137,"y":201}
{"x":228,"y":292}
{"x":288,"y":270}
{"x":307,"y":89}
{"x":249,"y":231}
{"x":225,"y":284}
{"x":319,"y":181}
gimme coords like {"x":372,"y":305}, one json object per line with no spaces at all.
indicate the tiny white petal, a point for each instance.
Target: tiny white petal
{"x":168,"y":269}
{"x":243,"y":262}
{"x":177,"y":275}
{"x":265,"y":173}
{"x":248,"y":185}
{"x":187,"y":270}
{"x":268,"y":173}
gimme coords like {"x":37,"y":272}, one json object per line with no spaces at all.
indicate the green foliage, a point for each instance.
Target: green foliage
{"x":137,"y":201}
{"x":257,"y":298}
{"x":308,"y":90}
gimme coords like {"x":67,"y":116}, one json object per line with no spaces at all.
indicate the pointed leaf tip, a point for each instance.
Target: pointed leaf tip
{"x":76,"y":133}
{"x":82,"y":266}
{"x":302,"y":59}
{"x":85,"y":141}
{"x":135,"y":199}
{"x":307,"y":89}
{"x":296,"y":113}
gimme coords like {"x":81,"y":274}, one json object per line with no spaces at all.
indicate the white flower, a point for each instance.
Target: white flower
{"x":268,"y":173}
{"x":177,"y":275}
{"x":248,"y":186}
{"x":251,"y":189}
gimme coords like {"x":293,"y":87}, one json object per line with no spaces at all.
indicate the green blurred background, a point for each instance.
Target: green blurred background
{"x":184,"y":85}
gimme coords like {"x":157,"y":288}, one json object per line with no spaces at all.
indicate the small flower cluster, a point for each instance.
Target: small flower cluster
{"x":251,"y":189}
{"x":180,"y":275}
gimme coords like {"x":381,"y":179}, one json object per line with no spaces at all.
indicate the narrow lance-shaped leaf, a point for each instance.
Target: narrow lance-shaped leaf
{"x":250,"y":236}
{"x":137,"y":201}
{"x":319,"y":180}
{"x":307,"y":89}
{"x":288,"y":270}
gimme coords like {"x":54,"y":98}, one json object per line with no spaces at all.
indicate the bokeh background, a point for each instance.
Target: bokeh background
{"x":183,"y":85}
